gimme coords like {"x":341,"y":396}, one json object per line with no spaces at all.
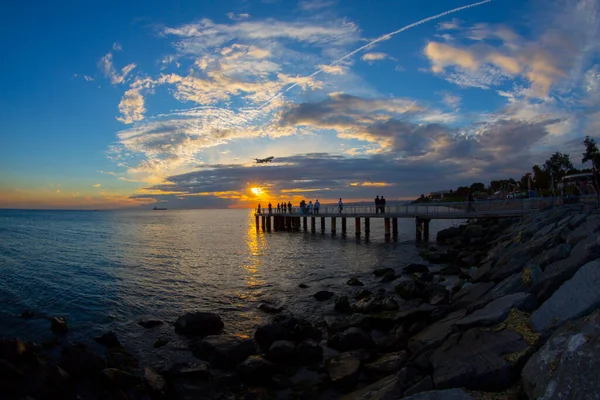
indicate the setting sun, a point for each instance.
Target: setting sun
{"x":256,"y":191}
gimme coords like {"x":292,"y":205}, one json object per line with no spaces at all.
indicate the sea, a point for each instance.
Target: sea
{"x":106,"y":270}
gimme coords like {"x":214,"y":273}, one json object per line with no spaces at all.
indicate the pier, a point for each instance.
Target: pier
{"x":363,"y":214}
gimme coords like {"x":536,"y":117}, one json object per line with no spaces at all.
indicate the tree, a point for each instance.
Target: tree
{"x":558,"y":165}
{"x":591,"y":152}
{"x":477,"y":187}
{"x":462,"y":191}
{"x":541,"y":178}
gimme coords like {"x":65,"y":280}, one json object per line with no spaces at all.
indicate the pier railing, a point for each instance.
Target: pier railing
{"x":509,"y":206}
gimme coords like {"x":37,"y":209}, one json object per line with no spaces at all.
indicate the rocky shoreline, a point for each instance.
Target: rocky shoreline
{"x":499,"y":309}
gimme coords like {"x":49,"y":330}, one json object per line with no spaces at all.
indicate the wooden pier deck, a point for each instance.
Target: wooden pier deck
{"x":296,"y":218}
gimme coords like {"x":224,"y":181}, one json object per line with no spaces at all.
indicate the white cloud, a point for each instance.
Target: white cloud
{"x":451,"y":100}
{"x":117,"y":47}
{"x":88,"y":78}
{"x":313,"y":5}
{"x":107,"y":67}
{"x":97,"y":185}
{"x":374,"y":56}
{"x":236,"y":17}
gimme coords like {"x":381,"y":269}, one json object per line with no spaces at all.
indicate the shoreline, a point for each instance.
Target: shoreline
{"x":396,"y":335}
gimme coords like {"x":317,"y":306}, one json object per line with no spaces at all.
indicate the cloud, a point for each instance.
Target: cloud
{"x":314,"y":5}
{"x":451,"y":100}
{"x":131,"y":106}
{"x":107,"y":67}
{"x":117,"y":47}
{"x":237,"y":17}
{"x":374,"y":56}
{"x":332,"y":70}
{"x":97,"y":185}
{"x":88,"y":78}
{"x":449,"y":25}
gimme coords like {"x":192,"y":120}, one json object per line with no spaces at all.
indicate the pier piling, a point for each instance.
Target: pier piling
{"x":333,"y":225}
{"x":357,"y":226}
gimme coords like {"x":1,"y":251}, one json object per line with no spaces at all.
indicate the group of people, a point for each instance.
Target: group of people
{"x":309,"y":208}
{"x":379,"y":205}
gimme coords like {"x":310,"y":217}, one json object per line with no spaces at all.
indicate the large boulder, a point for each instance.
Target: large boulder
{"x":409,"y":290}
{"x":387,"y":388}
{"x":11,"y":349}
{"x":498,"y":310}
{"x":448,"y":233}
{"x":58,"y":325}
{"x":435,"y":333}
{"x":415,"y":268}
{"x":109,"y":339}
{"x":471,"y":293}
{"x":510,"y":285}
{"x":256,"y":370}
{"x":282,"y":351}
{"x":81,"y":363}
{"x":476,"y":360}
{"x":308,"y":352}
{"x":323,"y":295}
{"x":343,"y":370}
{"x":385,"y":365}
{"x":566,"y":366}
{"x":352,"y":339}
{"x":589,"y":228}
{"x":199,"y":323}
{"x":556,"y":253}
{"x":223,"y":351}
{"x":575,"y":298}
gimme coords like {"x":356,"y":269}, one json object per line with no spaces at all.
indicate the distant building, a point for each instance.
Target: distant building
{"x":439,"y":195}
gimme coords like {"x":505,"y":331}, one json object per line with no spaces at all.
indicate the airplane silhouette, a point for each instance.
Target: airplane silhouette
{"x":264,"y":160}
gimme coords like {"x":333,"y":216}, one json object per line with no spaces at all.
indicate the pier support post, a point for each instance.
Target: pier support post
{"x":263,"y":222}
{"x":312,"y":224}
{"x":304,"y":223}
{"x":418,"y":229}
{"x":297,"y":222}
{"x":257,"y":222}
{"x":333,"y":225}
{"x":322,"y":224}
{"x":367,"y":226}
{"x":386,"y":222}
{"x":269,"y":223}
{"x":426,"y":229}
{"x":395,"y":227}
{"x":357,"y":226}
{"x":343,"y":226}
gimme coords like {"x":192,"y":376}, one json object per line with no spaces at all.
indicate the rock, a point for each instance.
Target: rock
{"x":362,"y":293}
{"x":199,"y":323}
{"x":589,"y":228}
{"x":497,"y":311}
{"x":424,"y":385}
{"x":436,"y":294}
{"x":27,"y":314}
{"x":109,"y":340}
{"x":385,"y":365}
{"x":386,"y":388}
{"x":156,"y":384}
{"x":12,"y":380}
{"x":323,"y":295}
{"x":81,"y":363}
{"x":256,"y":370}
{"x":342,"y":323}
{"x":352,"y":339}
{"x":58,"y":325}
{"x":308,"y":352}
{"x":556,"y":253}
{"x":160,"y":342}
{"x":223,"y":351}
{"x":382,"y":271}
{"x":450,"y":270}
{"x":297,"y":329}
{"x":408,"y":290}
{"x":282,"y":351}
{"x":512,"y":284}
{"x":475,"y":360}
{"x":269,"y":309}
{"x":564,"y":367}
{"x":469,"y":294}
{"x":448,"y":394}
{"x":150,"y":323}
{"x":118,"y":379}
{"x":436,"y":333}
{"x":11,"y":349}
{"x":415,"y":268}
{"x":343,"y":370}
{"x":389,"y":277}
{"x":354,"y":282}
{"x":119,"y":358}
{"x":449,"y":233}
{"x":266,"y":335}
{"x":367,"y":305}
{"x":483,"y":272}
{"x":531,"y":274}
{"x":342,"y":304}
{"x":574,"y":298}
{"x":303,"y":286}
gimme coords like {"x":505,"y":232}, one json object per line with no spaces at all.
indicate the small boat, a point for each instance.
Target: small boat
{"x":158,"y":208}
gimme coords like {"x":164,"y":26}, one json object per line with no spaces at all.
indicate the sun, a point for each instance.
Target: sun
{"x":256,"y":191}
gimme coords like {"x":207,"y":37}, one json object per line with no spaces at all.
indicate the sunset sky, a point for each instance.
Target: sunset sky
{"x":120,"y":104}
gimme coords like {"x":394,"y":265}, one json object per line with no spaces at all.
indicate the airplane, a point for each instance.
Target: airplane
{"x":264,"y":160}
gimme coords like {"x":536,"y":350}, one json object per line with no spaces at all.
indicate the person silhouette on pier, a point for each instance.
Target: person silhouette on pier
{"x":258,"y":208}
{"x":317,"y":206}
{"x":310,"y":207}
{"x":270,"y":208}
{"x":377,"y":204}
{"x":289,"y":207}
{"x":278,"y":208}
{"x":382,"y":204}
{"x":340,"y":205}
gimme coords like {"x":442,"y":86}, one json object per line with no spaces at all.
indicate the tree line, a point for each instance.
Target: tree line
{"x":541,"y":178}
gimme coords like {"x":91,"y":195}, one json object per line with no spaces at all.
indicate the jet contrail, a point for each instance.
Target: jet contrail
{"x":379,"y":39}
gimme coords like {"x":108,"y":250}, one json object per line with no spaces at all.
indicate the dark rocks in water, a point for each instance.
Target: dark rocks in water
{"x":119,"y":358}
{"x":424,"y":385}
{"x":269,"y":309}
{"x":12,"y":349}
{"x":385,"y":365}
{"x":149,"y":323}
{"x":199,"y":323}
{"x":354,"y":282}
{"x":426,"y":277}
{"x":160,"y":342}
{"x":352,"y":339}
{"x":575,"y":298}
{"x":450,"y":270}
{"x":367,"y":305}
{"x":27,"y":314}
{"x":109,"y":340}
{"x":115,"y":378}
{"x":282,"y":351}
{"x":497,"y":311}
{"x":80,"y":363}
{"x":436,"y":333}
{"x":58,"y":325}
{"x":471,"y":293}
{"x":285,"y":327}
{"x":565,"y":367}
{"x":223,"y":351}
{"x":448,"y":394}
{"x":415,"y":268}
{"x":342,"y":304}
{"x":323,"y":295}
{"x":308,"y":352}
{"x":476,"y":360}
{"x":448,"y":233}
{"x":156,"y":384}
{"x":408,"y":290}
{"x":387,"y":388}
{"x":266,"y":335}
{"x":343,"y":370}
{"x":256,"y":370}
{"x":303,"y":286}
{"x":379,"y":272}
{"x":362,"y":293}
{"x":389,"y":277}
{"x":436,"y":294}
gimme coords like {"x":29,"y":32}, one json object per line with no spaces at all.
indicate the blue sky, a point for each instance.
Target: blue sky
{"x":127,"y":103}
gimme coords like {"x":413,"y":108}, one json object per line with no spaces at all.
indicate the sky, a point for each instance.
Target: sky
{"x":112,"y":104}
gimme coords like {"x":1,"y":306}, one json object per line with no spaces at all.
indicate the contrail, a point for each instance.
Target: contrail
{"x":379,"y":39}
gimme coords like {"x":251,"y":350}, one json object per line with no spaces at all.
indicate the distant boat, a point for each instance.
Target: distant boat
{"x":158,"y":208}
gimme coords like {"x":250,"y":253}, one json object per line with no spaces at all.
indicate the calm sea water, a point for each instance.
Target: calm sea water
{"x":106,"y":270}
